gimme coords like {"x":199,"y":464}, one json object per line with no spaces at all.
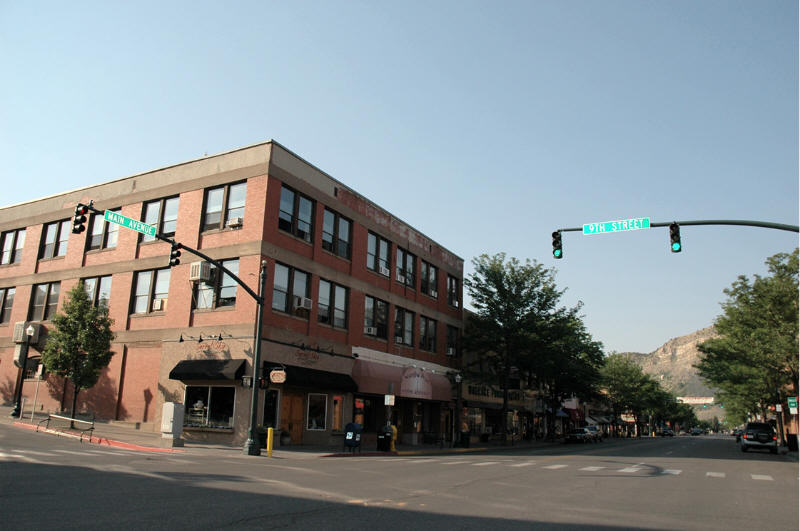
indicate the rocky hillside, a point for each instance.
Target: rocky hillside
{"x":673,"y":363}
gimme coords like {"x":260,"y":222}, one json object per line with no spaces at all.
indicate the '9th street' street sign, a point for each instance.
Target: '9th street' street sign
{"x":616,"y":226}
{"x":129,"y":223}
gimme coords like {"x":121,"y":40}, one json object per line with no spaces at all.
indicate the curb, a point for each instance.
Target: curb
{"x":96,"y":440}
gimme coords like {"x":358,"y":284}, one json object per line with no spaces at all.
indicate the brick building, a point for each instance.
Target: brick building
{"x":357,"y":304}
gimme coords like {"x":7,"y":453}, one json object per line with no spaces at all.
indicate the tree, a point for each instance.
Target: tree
{"x":78,"y":347}
{"x":755,"y":355}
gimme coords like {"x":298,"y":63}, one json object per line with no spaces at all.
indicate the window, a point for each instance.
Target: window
{"x":55,"y":239}
{"x":32,"y":367}
{"x":209,"y":406}
{"x":332,"y":296}
{"x":224,"y":204}
{"x":452,"y":291}
{"x":336,"y":234}
{"x":317,"y":411}
{"x":452,"y":340}
{"x":376,"y":317}
{"x":44,"y":302}
{"x":98,"y":289}
{"x":150,"y":291}
{"x":12,"y":244}
{"x":220,"y":291}
{"x":406,"y":268}
{"x":296,"y":214}
{"x":103,"y":234}
{"x":6,"y":302}
{"x":163,"y":215}
{"x":428,"y":279}
{"x":427,"y":334}
{"x":290,"y":291}
{"x":378,"y":254}
{"x":403,"y":327}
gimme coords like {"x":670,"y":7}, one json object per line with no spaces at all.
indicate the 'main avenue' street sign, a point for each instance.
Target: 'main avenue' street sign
{"x":129,"y":223}
{"x":616,"y":226}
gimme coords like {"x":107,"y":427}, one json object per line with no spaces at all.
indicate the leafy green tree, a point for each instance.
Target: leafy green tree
{"x":78,"y":347}
{"x":755,"y":356}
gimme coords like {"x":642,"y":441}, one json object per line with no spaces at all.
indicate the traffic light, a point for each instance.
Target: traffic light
{"x":558,"y":252}
{"x":79,"y":219}
{"x":675,"y":237}
{"x":175,"y":255}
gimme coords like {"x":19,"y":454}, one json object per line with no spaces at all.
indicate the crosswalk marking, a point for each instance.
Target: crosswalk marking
{"x":715,"y":474}
{"x":672,"y":472}
{"x":761,"y":477}
{"x":592,"y":468}
{"x":629,"y":469}
{"x":486,"y":463}
{"x":555,"y":467}
{"x":455,"y":462}
{"x":529,"y":463}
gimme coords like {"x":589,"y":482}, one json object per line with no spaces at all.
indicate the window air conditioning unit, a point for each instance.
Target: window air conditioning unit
{"x":451,"y":351}
{"x":398,"y":340}
{"x":234,"y":223}
{"x":371,"y":330}
{"x":159,"y":305}
{"x":303,"y":302}
{"x":200,"y":271}
{"x":434,"y":293}
{"x":384,"y":271}
{"x":20,"y":335}
{"x":401,"y":278}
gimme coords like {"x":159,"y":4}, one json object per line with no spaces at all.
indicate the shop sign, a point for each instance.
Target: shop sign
{"x":277,"y":376}
{"x":388,"y":400}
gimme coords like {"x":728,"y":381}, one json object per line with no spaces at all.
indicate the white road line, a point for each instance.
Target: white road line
{"x":592,"y":468}
{"x":486,"y":463}
{"x":33,"y":452}
{"x":529,"y":463}
{"x":555,"y":467}
{"x":630,"y":469}
{"x":12,"y":457}
{"x":71,"y":452}
{"x":672,"y":472}
{"x":715,"y":474}
{"x":454,"y":463}
{"x":760,"y":477}
{"x":421,"y":461}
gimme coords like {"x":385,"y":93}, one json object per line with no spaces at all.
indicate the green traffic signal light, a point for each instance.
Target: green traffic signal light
{"x":558,"y":252}
{"x":675,"y":237}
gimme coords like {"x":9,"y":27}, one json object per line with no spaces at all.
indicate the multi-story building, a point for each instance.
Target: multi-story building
{"x":358,"y":304}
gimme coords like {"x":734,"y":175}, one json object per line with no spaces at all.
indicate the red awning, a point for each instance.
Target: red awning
{"x":574,"y":414}
{"x":408,"y":382}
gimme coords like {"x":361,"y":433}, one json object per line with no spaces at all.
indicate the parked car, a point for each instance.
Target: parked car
{"x":759,"y":435}
{"x":596,"y":433}
{"x":667,"y":432}
{"x":696,"y":431}
{"x":581,"y":435}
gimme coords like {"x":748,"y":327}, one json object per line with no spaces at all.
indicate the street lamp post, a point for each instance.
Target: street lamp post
{"x":17,"y":411}
{"x":251,"y":446}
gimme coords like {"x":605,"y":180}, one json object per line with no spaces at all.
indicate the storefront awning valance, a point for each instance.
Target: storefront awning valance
{"x":190,"y":370}
{"x":406,"y":382}
{"x":314,"y":378}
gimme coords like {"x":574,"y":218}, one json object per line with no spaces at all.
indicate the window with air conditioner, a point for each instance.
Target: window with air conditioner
{"x":289,"y":287}
{"x":378,"y":254}
{"x":403,"y":326}
{"x":376,"y":316}
{"x":219,"y":290}
{"x":149,"y":287}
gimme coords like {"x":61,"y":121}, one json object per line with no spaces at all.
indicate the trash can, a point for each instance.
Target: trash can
{"x":791,"y":441}
{"x":464,"y":439}
{"x":385,"y":439}
{"x":352,"y":436}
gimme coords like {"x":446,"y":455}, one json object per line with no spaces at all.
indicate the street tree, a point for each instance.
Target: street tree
{"x":79,"y":346}
{"x":754,"y":360}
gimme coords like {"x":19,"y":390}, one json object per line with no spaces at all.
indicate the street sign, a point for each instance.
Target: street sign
{"x":792,"y":402}
{"x":388,"y":400}
{"x":616,"y":226}
{"x":129,"y":223}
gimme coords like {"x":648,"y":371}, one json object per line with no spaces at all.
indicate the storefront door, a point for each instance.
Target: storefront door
{"x":292,"y":416}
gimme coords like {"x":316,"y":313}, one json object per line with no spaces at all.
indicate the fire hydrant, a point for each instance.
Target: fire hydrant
{"x":394,"y":439}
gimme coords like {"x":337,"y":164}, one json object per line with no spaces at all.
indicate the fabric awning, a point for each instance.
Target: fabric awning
{"x":190,"y":370}
{"x":407,"y":382}
{"x":314,"y":378}
{"x":484,"y":405}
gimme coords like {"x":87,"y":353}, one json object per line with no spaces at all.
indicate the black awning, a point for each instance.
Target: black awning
{"x":188,"y":370}
{"x":314,"y":378}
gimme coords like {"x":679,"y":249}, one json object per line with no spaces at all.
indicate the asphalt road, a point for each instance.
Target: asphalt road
{"x":703,"y":482}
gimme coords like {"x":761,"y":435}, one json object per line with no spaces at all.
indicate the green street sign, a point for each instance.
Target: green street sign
{"x":792,"y":400}
{"x":616,"y":226}
{"x":129,"y":223}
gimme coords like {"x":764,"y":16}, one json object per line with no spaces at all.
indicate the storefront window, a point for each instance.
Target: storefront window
{"x":209,"y":407}
{"x":317,"y":411}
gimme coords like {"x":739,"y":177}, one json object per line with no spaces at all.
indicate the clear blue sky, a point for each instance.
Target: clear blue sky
{"x":486,"y":125}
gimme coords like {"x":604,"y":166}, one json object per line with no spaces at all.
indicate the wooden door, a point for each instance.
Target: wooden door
{"x":292,"y":416}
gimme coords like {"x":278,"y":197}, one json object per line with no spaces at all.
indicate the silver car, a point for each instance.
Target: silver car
{"x":759,"y":435}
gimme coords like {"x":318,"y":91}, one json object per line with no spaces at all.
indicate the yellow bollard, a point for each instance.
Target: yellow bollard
{"x":394,"y":438}
{"x":269,"y":441}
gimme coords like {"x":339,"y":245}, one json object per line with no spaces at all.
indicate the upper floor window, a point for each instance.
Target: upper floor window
{"x":452,"y":340}
{"x":150,"y":291}
{"x":378,"y":254}
{"x":332,"y":305}
{"x":428,"y":279}
{"x":12,"y":244}
{"x":336,"y":234}
{"x":98,"y":289}
{"x":6,"y":302}
{"x":44,"y":302}
{"x":290,"y":291}
{"x":103,"y":234}
{"x":403,"y":327}
{"x":163,"y":215}
{"x":55,"y":239}
{"x":224,"y":206}
{"x":220,"y":290}
{"x":452,"y":291}
{"x":296,"y":214}
{"x":427,"y":334}
{"x":406,"y":268}
{"x":376,"y":317}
